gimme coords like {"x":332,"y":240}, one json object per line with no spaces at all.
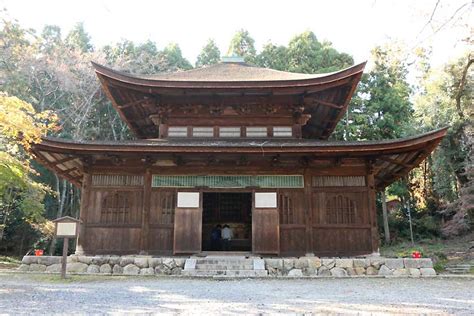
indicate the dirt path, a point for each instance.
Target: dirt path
{"x":47,"y":295}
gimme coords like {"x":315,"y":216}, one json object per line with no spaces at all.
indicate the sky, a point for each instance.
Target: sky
{"x":354,"y":27}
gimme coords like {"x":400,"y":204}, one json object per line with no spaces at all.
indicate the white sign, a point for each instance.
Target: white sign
{"x":265,"y":200}
{"x":188,"y":199}
{"x":66,"y":229}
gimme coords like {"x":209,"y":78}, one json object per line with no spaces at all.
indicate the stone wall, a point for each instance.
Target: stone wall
{"x":111,"y":265}
{"x":291,"y":267}
{"x":336,"y":267}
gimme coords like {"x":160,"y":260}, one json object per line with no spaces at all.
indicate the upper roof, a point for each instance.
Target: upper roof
{"x":323,"y":97}
{"x":220,"y":72}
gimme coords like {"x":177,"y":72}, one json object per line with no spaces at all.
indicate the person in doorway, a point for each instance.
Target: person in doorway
{"x":226,"y":235}
{"x":216,"y":238}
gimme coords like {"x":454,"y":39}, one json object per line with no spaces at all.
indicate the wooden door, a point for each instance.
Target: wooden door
{"x":265,"y":223}
{"x":188,"y":223}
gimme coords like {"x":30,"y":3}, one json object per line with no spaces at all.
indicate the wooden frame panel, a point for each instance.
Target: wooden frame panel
{"x":187,"y":237}
{"x":265,"y":229}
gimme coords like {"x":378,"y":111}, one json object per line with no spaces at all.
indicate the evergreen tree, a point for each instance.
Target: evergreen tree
{"x":381,"y":107}
{"x":79,"y":39}
{"x":209,"y":55}
{"x":243,"y":45}
{"x":272,"y":56}
{"x":307,"y":55}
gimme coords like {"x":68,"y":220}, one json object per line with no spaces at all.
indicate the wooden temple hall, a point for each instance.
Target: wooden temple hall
{"x":231,"y":144}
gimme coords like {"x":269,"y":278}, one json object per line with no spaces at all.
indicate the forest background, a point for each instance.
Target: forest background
{"x":48,"y":87}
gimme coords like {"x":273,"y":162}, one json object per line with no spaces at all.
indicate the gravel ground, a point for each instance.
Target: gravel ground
{"x":42,"y":294}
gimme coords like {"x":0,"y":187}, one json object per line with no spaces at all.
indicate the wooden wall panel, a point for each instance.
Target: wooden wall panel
{"x":340,"y":222}
{"x":292,"y":240}
{"x":162,"y":206}
{"x":109,"y":206}
{"x":341,"y":241}
{"x":292,"y":221}
{"x":162,"y":209}
{"x":187,"y":230}
{"x":112,"y":240}
{"x":160,"y":240}
{"x":113,"y":222}
{"x":265,"y":231}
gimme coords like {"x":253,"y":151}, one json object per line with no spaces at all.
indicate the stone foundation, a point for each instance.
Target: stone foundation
{"x":339,"y":267}
{"x":290,"y":267}
{"x":109,"y":265}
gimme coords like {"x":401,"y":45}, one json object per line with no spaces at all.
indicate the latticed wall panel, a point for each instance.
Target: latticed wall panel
{"x":108,"y":180}
{"x":338,"y":181}
{"x":233,"y":181}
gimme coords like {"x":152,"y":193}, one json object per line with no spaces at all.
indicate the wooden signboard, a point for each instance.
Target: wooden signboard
{"x":65,"y":227}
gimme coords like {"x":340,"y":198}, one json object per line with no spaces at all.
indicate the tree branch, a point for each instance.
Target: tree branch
{"x":462,"y":84}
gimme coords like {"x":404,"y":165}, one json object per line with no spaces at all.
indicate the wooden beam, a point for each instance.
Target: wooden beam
{"x":394,"y":161}
{"x":129,"y":104}
{"x":58,"y":162}
{"x":329,"y":104}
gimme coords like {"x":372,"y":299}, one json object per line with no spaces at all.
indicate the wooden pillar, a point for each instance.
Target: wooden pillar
{"x":85,"y":197}
{"x":372,"y":209}
{"x":145,"y":212}
{"x":308,"y":212}
{"x":386,"y":229}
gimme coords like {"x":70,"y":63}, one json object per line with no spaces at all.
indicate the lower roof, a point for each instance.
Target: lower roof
{"x":391,"y":159}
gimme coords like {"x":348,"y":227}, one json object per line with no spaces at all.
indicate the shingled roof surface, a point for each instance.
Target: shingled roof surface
{"x":239,"y":142}
{"x":232,"y":72}
{"x":224,"y":72}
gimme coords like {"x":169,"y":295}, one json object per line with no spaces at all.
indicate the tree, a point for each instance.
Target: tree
{"x":79,"y":39}
{"x":381,"y":107}
{"x":445,"y":99}
{"x":209,"y":54}
{"x":20,"y":127}
{"x":272,"y":56}
{"x":307,"y":55}
{"x":243,"y":45}
{"x":173,"y":59}
{"x":50,"y":37}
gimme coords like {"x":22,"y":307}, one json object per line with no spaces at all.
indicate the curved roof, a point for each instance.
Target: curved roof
{"x":391,"y":158}
{"x":324,"y":97}
{"x":227,"y":72}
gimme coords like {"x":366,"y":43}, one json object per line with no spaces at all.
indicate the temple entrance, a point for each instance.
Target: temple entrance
{"x":225,"y":208}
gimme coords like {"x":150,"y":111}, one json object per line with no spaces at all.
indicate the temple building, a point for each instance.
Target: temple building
{"x":231,"y":144}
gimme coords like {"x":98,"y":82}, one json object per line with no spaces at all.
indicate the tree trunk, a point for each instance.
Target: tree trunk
{"x":386,"y":229}
{"x":61,"y":199}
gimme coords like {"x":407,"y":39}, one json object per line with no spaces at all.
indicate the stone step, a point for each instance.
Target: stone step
{"x":202,"y":266}
{"x":224,"y":261}
{"x":458,"y":269}
{"x":230,"y":273}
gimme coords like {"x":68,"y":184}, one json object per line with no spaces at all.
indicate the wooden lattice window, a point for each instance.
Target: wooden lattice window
{"x":117,"y":209}
{"x":177,"y":131}
{"x":168,"y":203}
{"x":282,"y":131}
{"x":258,"y":131}
{"x":341,"y":210}
{"x":203,"y":132}
{"x":287,"y":211}
{"x":229,"y":131}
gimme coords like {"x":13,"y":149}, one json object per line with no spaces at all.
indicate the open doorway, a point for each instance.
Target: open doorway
{"x":225,"y":208}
